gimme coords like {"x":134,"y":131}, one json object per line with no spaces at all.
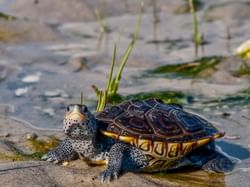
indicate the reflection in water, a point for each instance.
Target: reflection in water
{"x":234,"y":150}
{"x":191,"y":177}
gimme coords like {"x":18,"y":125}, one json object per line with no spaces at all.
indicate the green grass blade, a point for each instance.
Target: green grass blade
{"x":81,"y":98}
{"x":96,"y":90}
{"x":99,"y":102}
{"x":103,"y":101}
{"x":101,"y":21}
{"x":121,"y":67}
{"x":111,"y":70}
{"x":197,"y":37}
{"x":116,"y":81}
{"x":138,"y":23}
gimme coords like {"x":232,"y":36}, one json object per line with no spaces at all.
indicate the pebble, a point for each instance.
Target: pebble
{"x":21,"y":91}
{"x":56,"y":94}
{"x":207,"y":109}
{"x":31,"y":136}
{"x":49,"y":111}
{"x":224,"y":114}
{"x":78,"y":63}
{"x":32,"y":78}
{"x":53,"y":93}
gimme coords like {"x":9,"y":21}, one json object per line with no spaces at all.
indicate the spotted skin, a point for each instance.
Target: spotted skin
{"x":64,"y":152}
{"x":87,"y":139}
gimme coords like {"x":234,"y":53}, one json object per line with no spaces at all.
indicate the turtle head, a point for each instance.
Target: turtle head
{"x":79,"y":123}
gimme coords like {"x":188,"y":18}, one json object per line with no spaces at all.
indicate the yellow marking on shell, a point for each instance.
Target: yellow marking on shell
{"x":127,"y":139}
{"x":110,"y":134}
{"x":187,"y":148}
{"x":159,"y":148}
{"x":173,"y":150}
{"x":145,"y":145}
{"x":219,"y":135}
{"x":203,"y":141}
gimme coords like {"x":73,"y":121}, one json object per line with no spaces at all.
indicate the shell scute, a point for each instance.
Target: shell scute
{"x":110,"y":114}
{"x":146,"y":123}
{"x":165,"y":125}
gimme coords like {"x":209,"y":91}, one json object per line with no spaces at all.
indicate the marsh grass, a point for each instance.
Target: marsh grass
{"x":7,"y":17}
{"x":156,"y":21}
{"x":228,"y":39}
{"x":240,"y":99}
{"x":165,"y":96}
{"x":196,"y":68}
{"x":197,"y":36}
{"x":243,"y":70}
{"x":103,"y":27}
{"x":113,"y":82}
{"x":185,"y":8}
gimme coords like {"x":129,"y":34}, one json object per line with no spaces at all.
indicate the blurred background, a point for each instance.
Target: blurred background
{"x":193,"y":54}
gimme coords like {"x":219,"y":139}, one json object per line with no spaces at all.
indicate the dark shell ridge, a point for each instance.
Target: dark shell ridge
{"x":154,"y":120}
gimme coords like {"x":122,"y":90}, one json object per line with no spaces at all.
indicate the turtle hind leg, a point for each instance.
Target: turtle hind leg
{"x":210,"y":160}
{"x":219,"y":164}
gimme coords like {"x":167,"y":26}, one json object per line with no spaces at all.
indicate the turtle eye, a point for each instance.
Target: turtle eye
{"x":68,"y":108}
{"x":84,"y":108}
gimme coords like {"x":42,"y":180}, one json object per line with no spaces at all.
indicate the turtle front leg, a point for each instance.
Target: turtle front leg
{"x":63,"y":152}
{"x":122,"y":158}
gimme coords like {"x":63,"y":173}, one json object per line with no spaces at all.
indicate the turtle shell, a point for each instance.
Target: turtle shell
{"x":164,"y":130}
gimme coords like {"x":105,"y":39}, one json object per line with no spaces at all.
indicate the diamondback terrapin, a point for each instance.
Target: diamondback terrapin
{"x":137,"y":136}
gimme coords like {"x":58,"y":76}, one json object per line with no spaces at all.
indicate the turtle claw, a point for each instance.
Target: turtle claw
{"x":55,"y":161}
{"x":50,"y":157}
{"x":108,"y":176}
{"x":45,"y":157}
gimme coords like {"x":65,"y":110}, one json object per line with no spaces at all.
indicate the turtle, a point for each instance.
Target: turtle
{"x":140,"y":136}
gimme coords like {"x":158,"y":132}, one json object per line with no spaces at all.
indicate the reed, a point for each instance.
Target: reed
{"x":113,"y":82}
{"x":197,"y":36}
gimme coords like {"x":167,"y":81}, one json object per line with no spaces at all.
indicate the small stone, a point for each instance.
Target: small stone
{"x":21,"y":91}
{"x":53,"y":93}
{"x":78,"y":63}
{"x":225,"y":106}
{"x":206,"y":109}
{"x":49,"y":111}
{"x":32,"y":78}
{"x":224,"y":114}
{"x":64,"y":95}
{"x":31,"y":136}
